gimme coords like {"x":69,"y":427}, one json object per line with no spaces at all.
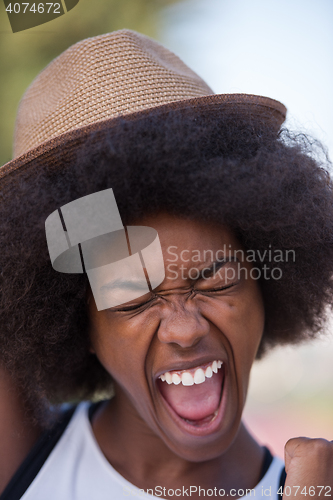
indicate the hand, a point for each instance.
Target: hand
{"x":309,"y":465}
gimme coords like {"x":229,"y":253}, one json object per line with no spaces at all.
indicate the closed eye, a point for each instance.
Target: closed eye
{"x":219,"y":289}
{"x":136,"y":307}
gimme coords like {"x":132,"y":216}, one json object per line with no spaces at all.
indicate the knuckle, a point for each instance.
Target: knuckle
{"x":321,"y":447}
{"x":296,"y":442}
{"x":317,"y":447}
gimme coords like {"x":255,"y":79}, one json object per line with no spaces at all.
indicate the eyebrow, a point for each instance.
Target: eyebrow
{"x":208,"y":272}
{"x":124,"y":284}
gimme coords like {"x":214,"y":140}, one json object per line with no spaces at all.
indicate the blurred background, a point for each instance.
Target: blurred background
{"x":283,"y":50}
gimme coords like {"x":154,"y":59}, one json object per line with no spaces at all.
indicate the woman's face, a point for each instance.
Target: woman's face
{"x":208,"y":309}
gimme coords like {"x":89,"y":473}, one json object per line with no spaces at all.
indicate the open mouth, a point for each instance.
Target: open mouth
{"x":194,"y":396}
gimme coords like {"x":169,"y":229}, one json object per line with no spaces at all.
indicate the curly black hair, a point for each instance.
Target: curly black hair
{"x":271,"y":189}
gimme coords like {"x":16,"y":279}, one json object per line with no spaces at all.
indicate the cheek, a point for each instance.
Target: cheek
{"x":240,"y":318}
{"x":122,"y":349}
{"x":249,"y":326}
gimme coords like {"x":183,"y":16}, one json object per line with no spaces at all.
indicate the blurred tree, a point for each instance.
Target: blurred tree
{"x":24,"y":54}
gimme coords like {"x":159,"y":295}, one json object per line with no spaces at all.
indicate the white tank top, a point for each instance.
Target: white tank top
{"x":76,"y":469}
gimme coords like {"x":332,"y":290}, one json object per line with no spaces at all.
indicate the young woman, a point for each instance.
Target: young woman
{"x":222,"y":186}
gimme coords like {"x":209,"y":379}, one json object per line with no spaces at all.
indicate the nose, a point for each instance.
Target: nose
{"x":182,"y":324}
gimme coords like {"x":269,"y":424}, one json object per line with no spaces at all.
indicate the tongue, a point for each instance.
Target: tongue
{"x":194,"y":402}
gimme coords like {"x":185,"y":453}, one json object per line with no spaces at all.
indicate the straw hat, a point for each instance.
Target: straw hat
{"x":84,"y":90}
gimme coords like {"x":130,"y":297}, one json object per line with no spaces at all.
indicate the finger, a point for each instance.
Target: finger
{"x":292,"y":447}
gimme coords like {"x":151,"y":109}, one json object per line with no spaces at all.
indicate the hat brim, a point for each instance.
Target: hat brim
{"x":60,"y":151}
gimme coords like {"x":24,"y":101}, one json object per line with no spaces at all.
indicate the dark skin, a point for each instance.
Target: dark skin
{"x":17,"y":431}
{"x":184,"y":323}
{"x":181,"y":324}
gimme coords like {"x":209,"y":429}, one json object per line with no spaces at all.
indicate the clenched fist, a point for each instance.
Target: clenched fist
{"x":309,"y":467}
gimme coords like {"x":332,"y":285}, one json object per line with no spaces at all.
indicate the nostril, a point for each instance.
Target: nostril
{"x":183,"y":329}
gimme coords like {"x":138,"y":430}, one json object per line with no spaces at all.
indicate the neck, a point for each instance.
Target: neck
{"x":17,"y":431}
{"x":140,"y":456}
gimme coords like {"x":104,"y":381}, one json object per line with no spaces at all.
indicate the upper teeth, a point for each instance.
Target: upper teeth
{"x":190,"y":377}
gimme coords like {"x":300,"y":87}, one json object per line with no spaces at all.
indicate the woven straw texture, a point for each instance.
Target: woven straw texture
{"x":100,"y":78}
{"x":82,"y":94}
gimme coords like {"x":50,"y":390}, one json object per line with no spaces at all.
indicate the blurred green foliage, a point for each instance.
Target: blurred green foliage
{"x":23,"y":55}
